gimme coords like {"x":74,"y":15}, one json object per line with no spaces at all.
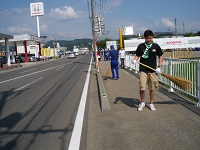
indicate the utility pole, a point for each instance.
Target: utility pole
{"x":93,"y":32}
{"x":183,"y":28}
{"x":54,"y":46}
{"x":175,"y":27}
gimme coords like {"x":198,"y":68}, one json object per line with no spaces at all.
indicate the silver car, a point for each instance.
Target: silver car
{"x":71,"y":55}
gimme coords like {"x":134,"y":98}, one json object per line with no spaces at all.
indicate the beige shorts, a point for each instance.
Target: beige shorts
{"x":148,"y":79}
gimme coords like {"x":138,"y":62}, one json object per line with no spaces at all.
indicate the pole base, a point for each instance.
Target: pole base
{"x":170,"y":90}
{"x":198,"y":105}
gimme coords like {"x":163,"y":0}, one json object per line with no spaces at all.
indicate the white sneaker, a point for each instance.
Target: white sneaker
{"x":152,"y":107}
{"x":141,"y":106}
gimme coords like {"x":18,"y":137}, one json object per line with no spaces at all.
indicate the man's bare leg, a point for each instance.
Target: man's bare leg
{"x":152,"y":95}
{"x":142,"y":95}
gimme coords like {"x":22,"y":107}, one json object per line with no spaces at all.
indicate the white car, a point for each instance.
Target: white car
{"x":71,"y":55}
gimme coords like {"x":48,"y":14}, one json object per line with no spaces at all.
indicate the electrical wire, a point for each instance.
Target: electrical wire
{"x":89,"y":13}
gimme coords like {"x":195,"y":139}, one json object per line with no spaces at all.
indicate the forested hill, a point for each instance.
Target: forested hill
{"x":69,"y":44}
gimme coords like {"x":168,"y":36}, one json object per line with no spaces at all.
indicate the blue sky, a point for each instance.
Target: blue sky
{"x":69,"y":19}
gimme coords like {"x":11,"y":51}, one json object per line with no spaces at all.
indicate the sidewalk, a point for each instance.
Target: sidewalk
{"x":170,"y":127}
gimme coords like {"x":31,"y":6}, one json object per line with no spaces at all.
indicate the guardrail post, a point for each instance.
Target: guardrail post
{"x":198,"y":104}
{"x":130,"y":62}
{"x":170,"y":72}
{"x":126,"y":61}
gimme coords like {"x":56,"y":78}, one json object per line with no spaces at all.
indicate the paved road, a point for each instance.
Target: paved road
{"x":38,"y":104}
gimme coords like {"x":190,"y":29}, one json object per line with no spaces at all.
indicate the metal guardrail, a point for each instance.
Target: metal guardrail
{"x":184,"y":68}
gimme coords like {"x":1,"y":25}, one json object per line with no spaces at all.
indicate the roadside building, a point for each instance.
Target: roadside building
{"x":25,"y":44}
{"x":5,"y":40}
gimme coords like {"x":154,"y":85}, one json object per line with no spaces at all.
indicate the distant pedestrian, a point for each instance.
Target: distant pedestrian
{"x":99,"y":55}
{"x":94,"y":56}
{"x":108,"y":53}
{"x":148,"y":52}
{"x":114,"y":62}
{"x":122,"y":54}
{"x":105,"y":54}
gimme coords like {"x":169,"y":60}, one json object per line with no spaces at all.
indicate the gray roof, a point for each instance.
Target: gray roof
{"x":131,"y":36}
{"x":3,"y":36}
{"x":163,"y":33}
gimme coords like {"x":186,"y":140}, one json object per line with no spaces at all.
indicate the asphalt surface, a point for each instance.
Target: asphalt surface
{"x":38,"y":104}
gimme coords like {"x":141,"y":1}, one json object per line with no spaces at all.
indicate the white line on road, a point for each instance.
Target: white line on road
{"x":35,"y":72}
{"x":29,"y":74}
{"x":59,"y":68}
{"x":28,"y":84}
{"x":48,"y":64}
{"x":28,"y":70}
{"x":76,"y":134}
{"x":75,"y":60}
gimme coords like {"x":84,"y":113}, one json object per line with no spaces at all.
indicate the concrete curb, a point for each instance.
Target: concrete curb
{"x":105,"y":107}
{"x":10,"y":67}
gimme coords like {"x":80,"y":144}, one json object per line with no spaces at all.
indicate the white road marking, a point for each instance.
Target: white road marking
{"x":75,"y":60}
{"x":28,"y":70}
{"x":59,"y":68}
{"x":76,"y":134}
{"x":36,"y":72}
{"x":29,"y":74}
{"x":48,"y":64}
{"x":28,"y":84}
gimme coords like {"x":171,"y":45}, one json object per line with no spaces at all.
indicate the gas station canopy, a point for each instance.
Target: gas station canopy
{"x":5,"y":36}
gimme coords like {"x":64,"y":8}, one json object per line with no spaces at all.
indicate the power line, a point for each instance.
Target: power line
{"x":104,"y":8}
{"x":100,"y":10}
{"x":89,"y":13}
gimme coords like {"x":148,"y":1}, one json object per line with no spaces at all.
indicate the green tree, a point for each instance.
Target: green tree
{"x":189,"y":34}
{"x":198,"y":33}
{"x":102,"y":43}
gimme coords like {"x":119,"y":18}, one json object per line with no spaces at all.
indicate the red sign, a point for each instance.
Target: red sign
{"x":174,"y":42}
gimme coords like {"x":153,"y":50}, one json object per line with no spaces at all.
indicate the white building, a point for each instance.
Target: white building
{"x":128,"y":30}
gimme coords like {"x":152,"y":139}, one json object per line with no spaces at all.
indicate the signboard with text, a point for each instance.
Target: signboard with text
{"x":37,"y":9}
{"x":166,"y":43}
{"x":109,"y":43}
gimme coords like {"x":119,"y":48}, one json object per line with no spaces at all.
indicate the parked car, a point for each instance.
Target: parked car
{"x":18,"y":59}
{"x":83,"y":53}
{"x":71,"y":55}
{"x":31,"y":57}
{"x":22,"y":57}
{"x":197,"y":48}
{"x":3,"y":59}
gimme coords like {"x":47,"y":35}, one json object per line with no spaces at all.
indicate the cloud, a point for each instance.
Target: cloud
{"x":5,"y":13}
{"x":167,"y":22}
{"x":67,"y":12}
{"x":193,"y":26}
{"x":141,"y":29}
{"x":116,"y":3}
{"x":157,"y":22}
{"x":17,"y":11}
{"x":19,"y":29}
{"x":44,"y":27}
{"x":12,"y":11}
